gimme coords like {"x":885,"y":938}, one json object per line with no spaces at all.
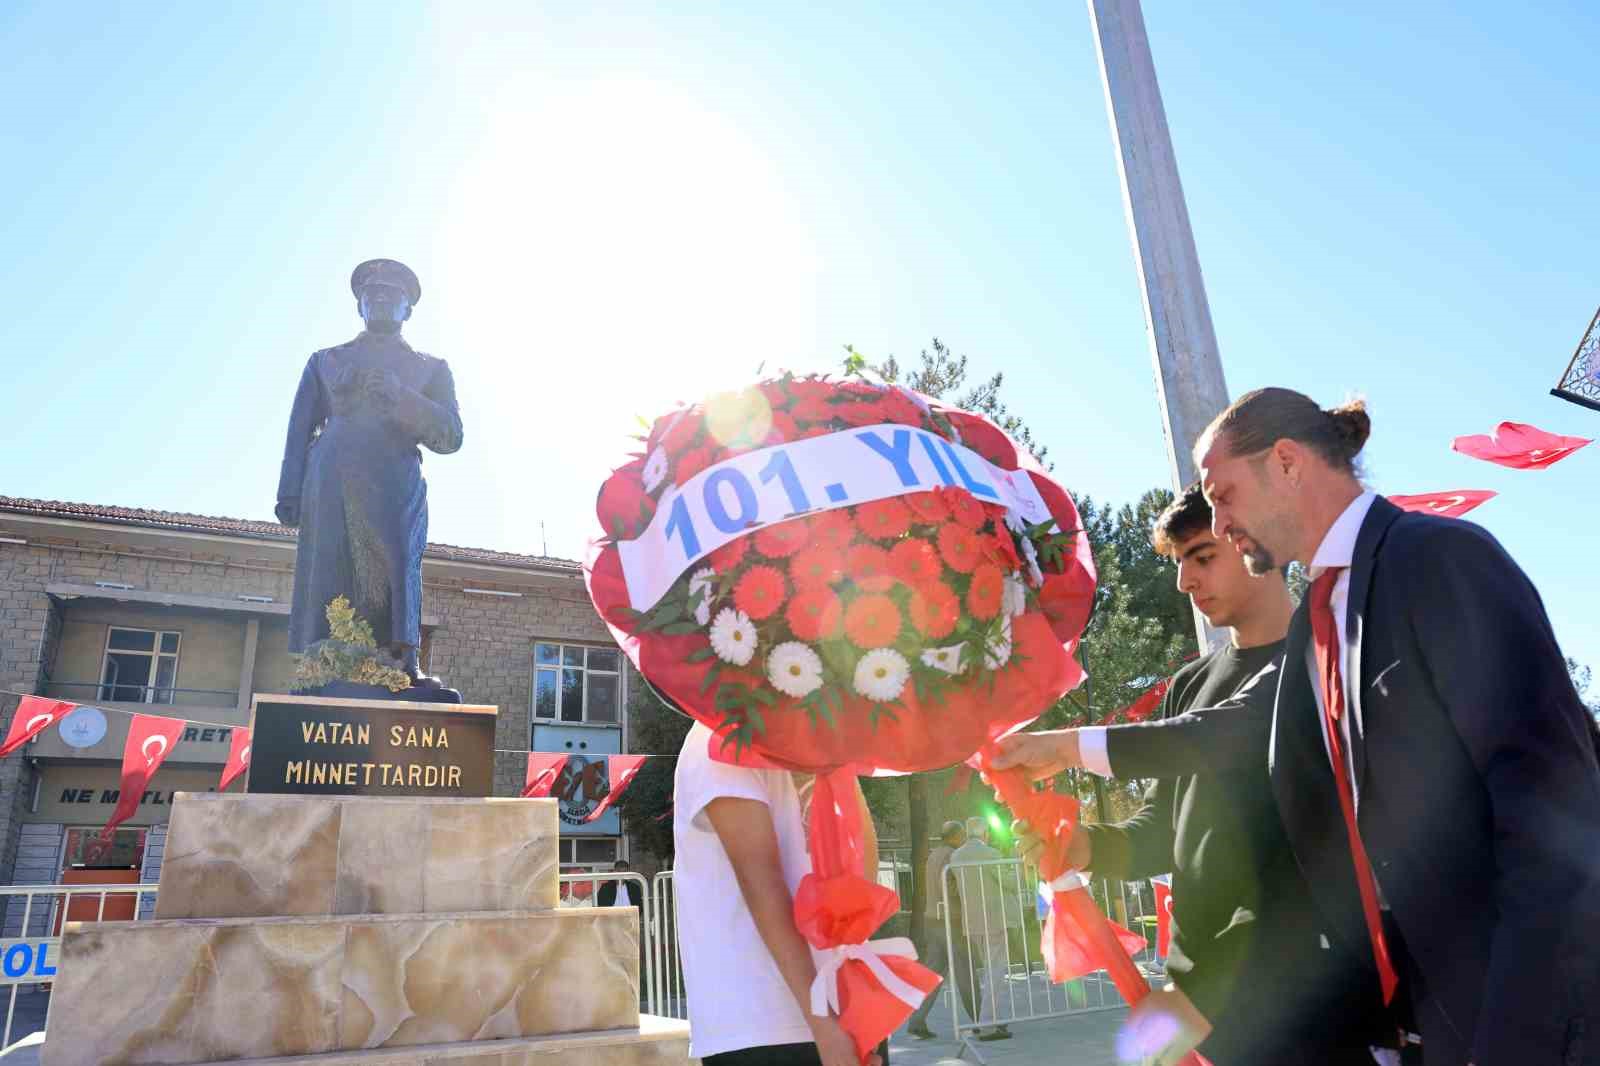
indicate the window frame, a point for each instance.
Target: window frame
{"x":558,"y":668}
{"x":107,"y":691}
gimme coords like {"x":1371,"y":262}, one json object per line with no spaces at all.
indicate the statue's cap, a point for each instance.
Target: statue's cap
{"x":390,"y":270}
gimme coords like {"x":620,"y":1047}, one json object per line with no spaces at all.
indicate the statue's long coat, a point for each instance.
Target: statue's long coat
{"x":357,"y":470}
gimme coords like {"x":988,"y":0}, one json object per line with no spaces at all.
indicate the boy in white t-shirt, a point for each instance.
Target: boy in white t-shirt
{"x":740,"y":838}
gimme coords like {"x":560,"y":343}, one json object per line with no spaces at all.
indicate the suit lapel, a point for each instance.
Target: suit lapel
{"x":1302,"y":783}
{"x":1376,"y":524}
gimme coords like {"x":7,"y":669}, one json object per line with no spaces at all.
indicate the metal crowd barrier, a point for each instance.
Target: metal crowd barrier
{"x":668,"y":998}
{"x":994,"y":973}
{"x":31,"y":945}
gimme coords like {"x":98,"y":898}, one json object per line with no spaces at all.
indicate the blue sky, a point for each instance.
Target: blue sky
{"x":614,"y":210}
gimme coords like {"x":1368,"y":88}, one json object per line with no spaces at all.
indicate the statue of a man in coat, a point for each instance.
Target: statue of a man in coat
{"x":352,"y":471}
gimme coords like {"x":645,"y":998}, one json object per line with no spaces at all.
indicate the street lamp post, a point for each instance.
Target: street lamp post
{"x":1183,"y":343}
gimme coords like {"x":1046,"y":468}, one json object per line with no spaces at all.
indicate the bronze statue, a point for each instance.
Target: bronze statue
{"x":352,"y":471}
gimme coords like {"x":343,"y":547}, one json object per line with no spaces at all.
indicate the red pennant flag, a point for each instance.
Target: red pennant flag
{"x":1163,"y":890}
{"x":34,"y":715}
{"x":151,"y":739}
{"x":544,"y":768}
{"x":238,"y":758}
{"x":621,"y":769}
{"x":1145,"y":705}
{"x":1519,"y":446}
{"x":1449,"y":504}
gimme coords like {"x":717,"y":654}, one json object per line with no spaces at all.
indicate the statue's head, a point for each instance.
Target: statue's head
{"x":385,"y":292}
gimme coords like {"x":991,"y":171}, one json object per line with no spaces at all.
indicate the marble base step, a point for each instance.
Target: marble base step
{"x":259,"y":856}
{"x":657,"y":1042}
{"x":198,"y":990}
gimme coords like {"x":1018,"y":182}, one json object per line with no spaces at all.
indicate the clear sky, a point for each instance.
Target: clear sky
{"x":612,"y":210}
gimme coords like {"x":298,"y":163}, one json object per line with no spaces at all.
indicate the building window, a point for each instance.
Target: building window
{"x":141,"y":665}
{"x":588,"y":851}
{"x":572,"y":683}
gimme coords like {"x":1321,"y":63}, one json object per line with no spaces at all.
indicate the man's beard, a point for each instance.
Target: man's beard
{"x":1258,"y":559}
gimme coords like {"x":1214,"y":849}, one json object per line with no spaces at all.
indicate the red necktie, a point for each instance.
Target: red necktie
{"x":1326,"y":647}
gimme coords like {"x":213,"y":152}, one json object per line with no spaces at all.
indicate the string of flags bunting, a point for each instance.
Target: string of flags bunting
{"x":151,"y":738}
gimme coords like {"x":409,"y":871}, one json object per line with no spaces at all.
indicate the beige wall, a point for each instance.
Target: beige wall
{"x":274,"y":668}
{"x":209,"y":656}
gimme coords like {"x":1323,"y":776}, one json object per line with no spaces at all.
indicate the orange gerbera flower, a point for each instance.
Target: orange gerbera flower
{"x":914,"y":562}
{"x":815,"y":568}
{"x":959,"y":548}
{"x":1001,"y":550}
{"x":964,"y":506}
{"x":883,"y":519}
{"x":868,"y":566}
{"x":833,"y":530}
{"x":935,"y":610}
{"x":872,"y":621}
{"x":926,"y":506}
{"x":813,"y":614}
{"x":693,"y":462}
{"x":783,"y":539}
{"x":760,"y":592}
{"x":729,"y":555}
{"x":985,"y":592}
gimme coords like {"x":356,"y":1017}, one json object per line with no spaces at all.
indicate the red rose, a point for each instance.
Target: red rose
{"x":959,"y":548}
{"x":985,"y":592}
{"x":624,"y":508}
{"x":783,"y":539}
{"x":883,"y":519}
{"x":914,"y":562}
{"x":872,"y":622}
{"x":682,"y":435}
{"x":760,"y":592}
{"x":935,"y":610}
{"x":964,"y":507}
{"x":692,"y":463}
{"x":815,"y":568}
{"x":813,"y":614}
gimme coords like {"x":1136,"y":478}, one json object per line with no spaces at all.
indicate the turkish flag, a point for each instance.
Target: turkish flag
{"x":34,"y":715}
{"x":621,"y":769}
{"x":544,"y":768}
{"x":151,"y":739}
{"x":1519,"y":446}
{"x":238,"y":758}
{"x":1163,"y":888}
{"x":1449,"y":504}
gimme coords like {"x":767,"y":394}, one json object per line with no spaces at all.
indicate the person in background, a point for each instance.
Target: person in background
{"x":1256,"y":982}
{"x":951,"y":837}
{"x":989,"y":908}
{"x":740,"y":840}
{"x":607,"y":896}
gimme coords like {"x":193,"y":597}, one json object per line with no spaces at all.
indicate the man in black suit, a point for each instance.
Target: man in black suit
{"x":1431,"y":761}
{"x":607,"y":896}
{"x":1255,"y":977}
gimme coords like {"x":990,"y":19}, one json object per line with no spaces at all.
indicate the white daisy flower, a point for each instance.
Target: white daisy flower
{"x":881,"y":674}
{"x":794,"y":669}
{"x":733,"y":637}
{"x":947,"y":658}
{"x":1030,"y":556}
{"x":1013,"y":596}
{"x":997,"y":650}
{"x":1015,"y":522}
{"x":655,"y":469}
{"x":700,"y":593}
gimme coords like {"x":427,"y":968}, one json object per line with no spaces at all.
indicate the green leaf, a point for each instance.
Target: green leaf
{"x":700,"y":655}
{"x":679,"y":629}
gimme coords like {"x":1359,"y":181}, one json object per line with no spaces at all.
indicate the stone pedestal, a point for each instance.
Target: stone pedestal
{"x":358,"y":930}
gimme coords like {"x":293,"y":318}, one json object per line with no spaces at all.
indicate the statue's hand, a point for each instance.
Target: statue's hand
{"x":288,"y":510}
{"x":383,"y":385}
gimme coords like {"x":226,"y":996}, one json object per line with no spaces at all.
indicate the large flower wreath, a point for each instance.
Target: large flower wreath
{"x":842,"y":577}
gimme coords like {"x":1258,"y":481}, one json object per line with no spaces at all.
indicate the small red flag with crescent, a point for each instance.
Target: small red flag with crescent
{"x":1449,"y":504}
{"x":544,"y":769}
{"x":151,"y":739}
{"x":1163,"y":890}
{"x":34,"y":715}
{"x":1519,"y":446}
{"x":238,"y":758}
{"x":621,"y":770}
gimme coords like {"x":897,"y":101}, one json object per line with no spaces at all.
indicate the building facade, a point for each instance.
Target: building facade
{"x":122,"y":609}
